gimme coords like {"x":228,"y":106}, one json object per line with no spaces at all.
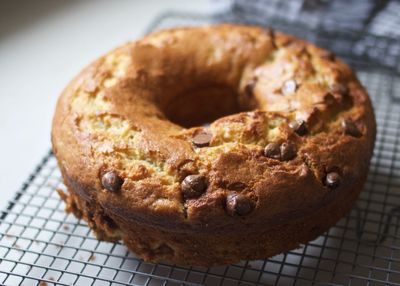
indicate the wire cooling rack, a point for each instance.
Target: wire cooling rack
{"x":42,"y":245}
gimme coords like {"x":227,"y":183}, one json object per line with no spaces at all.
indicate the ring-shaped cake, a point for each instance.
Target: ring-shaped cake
{"x":209,"y":145}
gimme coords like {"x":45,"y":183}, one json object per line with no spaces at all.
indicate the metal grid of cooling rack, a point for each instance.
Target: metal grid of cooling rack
{"x":42,"y":245}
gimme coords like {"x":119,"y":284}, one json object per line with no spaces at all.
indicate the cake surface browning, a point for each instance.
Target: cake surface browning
{"x":284,"y":157}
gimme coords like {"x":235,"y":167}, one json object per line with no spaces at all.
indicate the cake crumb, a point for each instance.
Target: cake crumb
{"x":92,"y":257}
{"x":65,"y":227}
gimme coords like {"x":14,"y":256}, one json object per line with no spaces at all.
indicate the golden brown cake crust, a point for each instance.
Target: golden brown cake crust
{"x":292,"y":157}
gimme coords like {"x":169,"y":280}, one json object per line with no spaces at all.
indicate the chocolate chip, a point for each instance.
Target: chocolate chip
{"x":238,"y":204}
{"x":202,"y":139}
{"x":350,"y":128}
{"x":338,"y":88}
{"x":327,"y":55}
{"x":288,"y":151}
{"x":249,"y":87}
{"x":272,"y":150}
{"x":332,"y":180}
{"x":193,"y":186}
{"x":283,"y":152}
{"x":111,"y":181}
{"x":289,"y":87}
{"x":299,"y":126}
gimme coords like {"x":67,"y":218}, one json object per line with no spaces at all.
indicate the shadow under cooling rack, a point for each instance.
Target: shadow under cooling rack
{"x":40,"y":244}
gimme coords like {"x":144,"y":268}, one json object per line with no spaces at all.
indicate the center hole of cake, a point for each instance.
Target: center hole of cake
{"x":203,"y":106}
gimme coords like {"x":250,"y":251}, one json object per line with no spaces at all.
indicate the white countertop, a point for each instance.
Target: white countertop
{"x":43,"y":44}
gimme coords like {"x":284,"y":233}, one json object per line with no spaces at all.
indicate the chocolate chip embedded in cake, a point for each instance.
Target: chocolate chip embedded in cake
{"x":288,"y":151}
{"x":332,"y":180}
{"x":284,"y":152}
{"x":239,"y":204}
{"x":111,"y":181}
{"x":350,"y":128}
{"x":202,"y":139}
{"x":272,"y":150}
{"x":193,"y":186}
{"x":299,"y":126}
